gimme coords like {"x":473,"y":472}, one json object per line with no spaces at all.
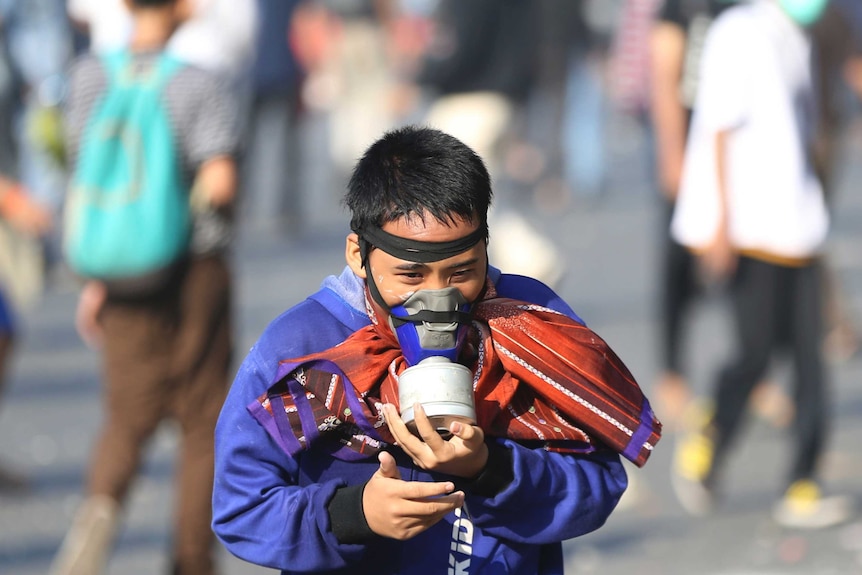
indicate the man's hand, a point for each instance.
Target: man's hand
{"x":215,"y":183}
{"x":719,"y":259}
{"x":403,"y":509}
{"x":90,"y":303}
{"x":463,"y":455}
{"x":25,"y":214}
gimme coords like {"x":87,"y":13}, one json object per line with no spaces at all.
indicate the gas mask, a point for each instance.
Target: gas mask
{"x":804,"y":12}
{"x":431,"y":327}
{"x":431,"y":323}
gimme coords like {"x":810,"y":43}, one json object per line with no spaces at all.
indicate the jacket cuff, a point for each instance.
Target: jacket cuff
{"x":347,"y":517}
{"x":498,"y":474}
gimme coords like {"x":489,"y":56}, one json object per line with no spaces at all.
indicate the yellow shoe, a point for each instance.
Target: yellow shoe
{"x":692,"y":465}
{"x":804,"y":507}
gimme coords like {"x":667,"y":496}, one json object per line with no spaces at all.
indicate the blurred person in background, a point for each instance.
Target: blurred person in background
{"x":38,"y":37}
{"x":585,"y":144}
{"x":22,"y":222}
{"x":567,"y":108}
{"x":852,"y":68}
{"x":164,"y":332}
{"x":752,"y":206}
{"x":271,"y":170}
{"x":676,"y":45}
{"x":630,"y":66}
{"x":220,"y":37}
{"x":26,"y":218}
{"x":345,"y":46}
{"x":837,"y":38}
{"x":475,"y":77}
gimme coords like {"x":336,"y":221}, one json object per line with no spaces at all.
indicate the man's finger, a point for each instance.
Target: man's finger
{"x":423,"y":489}
{"x":466,"y":432}
{"x":408,"y":442}
{"x":427,"y":431}
{"x":388,"y":468}
{"x":436,"y":506}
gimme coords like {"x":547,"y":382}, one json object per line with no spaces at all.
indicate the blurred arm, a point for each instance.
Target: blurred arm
{"x":669,"y":117}
{"x":216,"y":182}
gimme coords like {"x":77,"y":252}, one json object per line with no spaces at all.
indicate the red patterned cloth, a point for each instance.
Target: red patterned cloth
{"x":538,"y":375}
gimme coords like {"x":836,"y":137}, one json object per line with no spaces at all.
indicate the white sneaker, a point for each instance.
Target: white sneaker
{"x":88,"y":543}
{"x":804,"y":507}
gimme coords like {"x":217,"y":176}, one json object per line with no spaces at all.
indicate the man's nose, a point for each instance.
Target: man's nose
{"x":436,"y":282}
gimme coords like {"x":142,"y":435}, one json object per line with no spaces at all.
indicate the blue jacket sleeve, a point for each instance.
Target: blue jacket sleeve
{"x":553,"y":496}
{"x":260,"y":512}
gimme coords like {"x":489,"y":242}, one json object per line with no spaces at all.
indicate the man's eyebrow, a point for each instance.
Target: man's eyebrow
{"x":464,"y":264}
{"x":410,"y":266}
{"x":413,"y":266}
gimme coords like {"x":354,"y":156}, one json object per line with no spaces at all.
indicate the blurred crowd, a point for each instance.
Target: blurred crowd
{"x":531,"y":85}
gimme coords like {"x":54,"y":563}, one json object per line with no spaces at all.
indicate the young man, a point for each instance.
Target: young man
{"x":676,"y":44}
{"x":166,"y":350}
{"x":315,"y":470}
{"x":752,"y":207}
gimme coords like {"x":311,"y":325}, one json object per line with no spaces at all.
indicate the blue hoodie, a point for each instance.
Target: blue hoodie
{"x":272,"y":509}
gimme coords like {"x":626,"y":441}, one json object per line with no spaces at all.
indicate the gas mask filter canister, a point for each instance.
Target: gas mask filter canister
{"x":431,"y":326}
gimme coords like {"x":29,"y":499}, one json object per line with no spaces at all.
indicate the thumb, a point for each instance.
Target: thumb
{"x":388,"y":468}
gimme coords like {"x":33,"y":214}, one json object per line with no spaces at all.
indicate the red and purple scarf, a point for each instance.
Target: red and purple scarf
{"x":538,"y":376}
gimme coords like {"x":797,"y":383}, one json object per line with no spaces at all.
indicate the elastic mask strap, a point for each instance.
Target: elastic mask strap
{"x":414,"y":250}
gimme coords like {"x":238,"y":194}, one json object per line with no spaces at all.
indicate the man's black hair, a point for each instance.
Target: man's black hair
{"x":412,"y":170}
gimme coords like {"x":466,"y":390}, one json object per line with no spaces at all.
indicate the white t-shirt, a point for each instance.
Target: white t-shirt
{"x":220,"y":37}
{"x":756,"y":82}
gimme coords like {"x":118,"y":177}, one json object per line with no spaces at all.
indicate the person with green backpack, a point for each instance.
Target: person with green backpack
{"x":147,"y":226}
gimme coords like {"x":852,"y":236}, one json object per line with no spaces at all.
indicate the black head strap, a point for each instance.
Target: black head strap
{"x":410,"y":250}
{"x":414,"y":250}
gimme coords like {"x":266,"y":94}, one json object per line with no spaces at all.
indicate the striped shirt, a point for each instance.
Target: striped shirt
{"x":201,"y":109}
{"x":203,"y":112}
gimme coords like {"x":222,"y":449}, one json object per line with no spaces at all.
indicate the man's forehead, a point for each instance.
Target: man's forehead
{"x":429,"y":226}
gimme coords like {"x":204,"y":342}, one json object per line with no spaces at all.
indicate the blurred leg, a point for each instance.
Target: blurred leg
{"x":206,"y":317}
{"x":136,"y":349}
{"x":136,"y":345}
{"x":677,"y":290}
{"x":810,"y":392}
{"x":753,"y":293}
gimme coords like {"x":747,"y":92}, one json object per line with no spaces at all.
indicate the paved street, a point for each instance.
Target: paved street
{"x":51,"y":410}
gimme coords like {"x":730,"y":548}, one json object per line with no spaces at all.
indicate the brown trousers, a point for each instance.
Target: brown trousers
{"x":168,"y":357}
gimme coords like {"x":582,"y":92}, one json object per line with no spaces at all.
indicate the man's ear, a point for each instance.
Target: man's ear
{"x":354,"y":256}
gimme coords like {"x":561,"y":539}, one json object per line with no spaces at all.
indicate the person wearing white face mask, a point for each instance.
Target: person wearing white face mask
{"x":752,"y":207}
